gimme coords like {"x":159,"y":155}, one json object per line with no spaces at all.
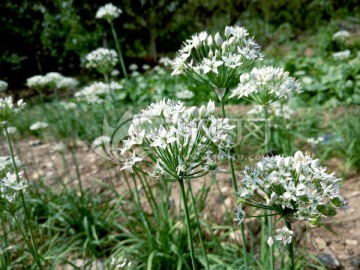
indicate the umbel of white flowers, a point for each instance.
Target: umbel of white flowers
{"x":8,"y":110}
{"x":266,"y":85}
{"x":101,"y":59}
{"x":10,"y":187}
{"x":217,"y":60}
{"x":178,"y":142}
{"x":108,"y":12}
{"x":97,"y":92}
{"x":293,"y":187}
{"x":52,"y":80}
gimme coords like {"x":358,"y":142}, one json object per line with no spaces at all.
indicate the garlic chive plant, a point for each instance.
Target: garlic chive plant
{"x":109,"y":12}
{"x":178,"y":144}
{"x":293,"y":188}
{"x":103,"y":60}
{"x":265,"y":85}
{"x":217,"y":60}
{"x":12,"y":186}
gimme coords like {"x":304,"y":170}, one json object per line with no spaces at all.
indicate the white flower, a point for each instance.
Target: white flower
{"x":133,"y":67}
{"x":108,"y":12}
{"x":215,"y":60}
{"x":166,"y":61}
{"x":101,"y":59}
{"x":146,"y":67}
{"x":341,"y":35}
{"x":97,"y":91}
{"x":343,"y":55}
{"x":39,"y":125}
{"x":129,"y":163}
{"x":6,"y":162}
{"x":10,"y":130}
{"x":284,"y":235}
{"x":3,"y":85}
{"x":184,"y":94}
{"x":266,"y":85}
{"x":270,"y":241}
{"x":10,"y":185}
{"x":239,"y":215}
{"x":8,"y":109}
{"x":211,"y":65}
{"x":181,"y":142}
{"x":295,"y":187}
{"x":52,"y":80}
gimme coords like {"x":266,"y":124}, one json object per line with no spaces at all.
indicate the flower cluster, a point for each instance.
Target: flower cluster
{"x":38,"y":125}
{"x":283,"y":235}
{"x":52,"y":80}
{"x":215,"y":60}
{"x":341,"y":35}
{"x":101,"y":59}
{"x":3,"y":85}
{"x":8,"y":109}
{"x":275,"y":109}
{"x":266,"y":85}
{"x":294,"y":187}
{"x":184,"y":94}
{"x":180,"y":142}
{"x":10,"y":187}
{"x":9,"y":184}
{"x":108,"y":12}
{"x":343,"y":55}
{"x":97,"y":91}
{"x":6,"y":164}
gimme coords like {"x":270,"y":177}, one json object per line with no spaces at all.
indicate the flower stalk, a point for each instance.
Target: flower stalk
{"x":187,"y":217}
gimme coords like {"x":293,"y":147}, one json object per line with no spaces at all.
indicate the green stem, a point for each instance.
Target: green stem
{"x":118,"y":50}
{"x":77,"y":170}
{"x":222,"y":108}
{"x":198,"y":226}
{"x":291,"y":249}
{"x":242,"y":228}
{"x":191,"y":242}
{"x":269,"y":217}
{"x":32,"y":245}
{"x":107,"y":81}
{"x":233,"y":178}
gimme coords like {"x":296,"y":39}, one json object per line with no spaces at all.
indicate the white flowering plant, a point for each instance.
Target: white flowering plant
{"x":101,"y":59}
{"x":51,"y":80}
{"x":180,"y":142}
{"x":108,"y":12}
{"x":294,"y":187}
{"x":98,"y":92}
{"x":217,"y":60}
{"x":266,"y":85}
{"x":8,"y":109}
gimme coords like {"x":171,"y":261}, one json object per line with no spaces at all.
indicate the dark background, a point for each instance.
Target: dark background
{"x":42,"y":36}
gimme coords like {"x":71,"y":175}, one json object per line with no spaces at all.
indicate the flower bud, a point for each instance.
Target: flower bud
{"x":210,"y":40}
{"x":244,"y":78}
{"x":227,"y":31}
{"x":218,"y":40}
{"x":211,"y":107}
{"x":193,"y":111}
{"x":211,"y":54}
{"x":202,"y":111}
{"x":299,"y":155}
